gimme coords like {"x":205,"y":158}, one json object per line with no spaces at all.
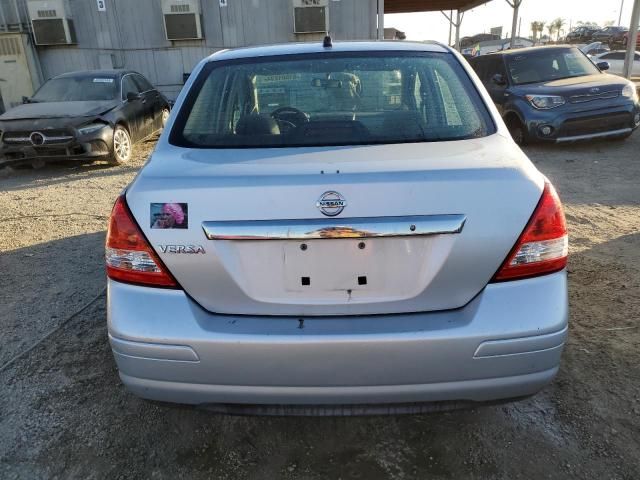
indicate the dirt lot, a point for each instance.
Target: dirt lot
{"x":64,"y":413}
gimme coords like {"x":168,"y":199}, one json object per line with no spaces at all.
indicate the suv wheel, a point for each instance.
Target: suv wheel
{"x":517,"y":130}
{"x":122,"y":146}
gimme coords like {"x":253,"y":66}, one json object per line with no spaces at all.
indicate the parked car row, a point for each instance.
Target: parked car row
{"x":84,"y":116}
{"x":614,"y":36}
{"x":306,"y":290}
{"x":541,"y":92}
{"x":581,"y":35}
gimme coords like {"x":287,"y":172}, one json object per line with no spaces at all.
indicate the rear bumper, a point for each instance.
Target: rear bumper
{"x":506,"y":343}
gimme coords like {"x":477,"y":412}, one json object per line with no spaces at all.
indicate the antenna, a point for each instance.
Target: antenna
{"x":326,"y":43}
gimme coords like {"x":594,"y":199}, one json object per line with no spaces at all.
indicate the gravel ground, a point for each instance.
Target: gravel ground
{"x":64,"y":413}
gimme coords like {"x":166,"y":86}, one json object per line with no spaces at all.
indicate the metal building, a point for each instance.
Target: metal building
{"x":162,"y":39}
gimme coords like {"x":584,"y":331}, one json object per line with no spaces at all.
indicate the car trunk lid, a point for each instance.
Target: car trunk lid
{"x":425,"y":226}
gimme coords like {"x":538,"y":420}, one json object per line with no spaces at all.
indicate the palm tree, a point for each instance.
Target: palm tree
{"x":558,"y":23}
{"x":551,"y":28}
{"x":536,"y":27}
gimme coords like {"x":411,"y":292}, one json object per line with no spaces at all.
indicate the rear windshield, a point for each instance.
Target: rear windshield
{"x":82,"y":88}
{"x":331,"y":99}
{"x":546,"y":65}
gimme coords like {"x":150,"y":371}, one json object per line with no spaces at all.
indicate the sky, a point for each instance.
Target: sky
{"x":434,"y":26}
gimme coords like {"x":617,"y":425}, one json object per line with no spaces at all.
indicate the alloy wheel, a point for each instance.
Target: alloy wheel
{"x":121,"y":145}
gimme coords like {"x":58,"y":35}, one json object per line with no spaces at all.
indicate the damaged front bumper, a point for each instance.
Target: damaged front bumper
{"x":55,"y":145}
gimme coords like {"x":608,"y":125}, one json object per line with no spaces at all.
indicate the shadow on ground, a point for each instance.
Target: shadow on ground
{"x":42,"y":284}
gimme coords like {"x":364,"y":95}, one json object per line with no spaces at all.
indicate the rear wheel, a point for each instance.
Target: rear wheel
{"x":517,"y":130}
{"x":122,"y":146}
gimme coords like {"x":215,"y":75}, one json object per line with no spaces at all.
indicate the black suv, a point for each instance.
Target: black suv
{"x":612,"y":36}
{"x":581,"y":35}
{"x":557,"y":94}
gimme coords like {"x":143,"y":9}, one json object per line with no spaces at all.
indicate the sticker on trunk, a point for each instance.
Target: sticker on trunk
{"x":169,"y":215}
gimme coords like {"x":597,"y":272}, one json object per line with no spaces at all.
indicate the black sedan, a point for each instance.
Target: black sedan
{"x":86,"y":116}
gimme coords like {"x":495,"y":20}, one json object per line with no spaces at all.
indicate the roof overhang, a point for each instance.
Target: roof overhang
{"x":410,"y":6}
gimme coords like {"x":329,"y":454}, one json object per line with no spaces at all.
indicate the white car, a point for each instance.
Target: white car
{"x":594,"y":49}
{"x":336,"y":225}
{"x":616,"y":62}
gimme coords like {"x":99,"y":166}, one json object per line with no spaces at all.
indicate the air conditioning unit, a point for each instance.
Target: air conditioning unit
{"x":310,"y":16}
{"x":51,"y":22}
{"x":182,"y":19}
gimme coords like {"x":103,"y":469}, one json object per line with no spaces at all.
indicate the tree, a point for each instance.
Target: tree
{"x":558,"y":23}
{"x":551,"y":28}
{"x":536,"y":27}
{"x":587,"y":24}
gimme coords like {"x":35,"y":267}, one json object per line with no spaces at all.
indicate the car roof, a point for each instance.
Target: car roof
{"x":317,"y":47}
{"x":96,"y":73}
{"x":518,"y":51}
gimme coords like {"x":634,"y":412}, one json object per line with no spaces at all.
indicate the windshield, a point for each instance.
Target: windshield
{"x":545,"y":65}
{"x":72,"y":89}
{"x":331,"y":99}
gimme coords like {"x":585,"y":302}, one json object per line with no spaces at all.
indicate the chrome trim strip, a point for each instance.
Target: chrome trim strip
{"x":335,"y":228}
{"x":591,"y":97}
{"x":47,"y":140}
{"x":588,"y":136}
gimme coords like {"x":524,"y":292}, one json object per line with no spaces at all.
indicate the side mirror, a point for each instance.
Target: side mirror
{"x":26,"y":100}
{"x":499,"y":79}
{"x":603,"y":66}
{"x":132,"y":97}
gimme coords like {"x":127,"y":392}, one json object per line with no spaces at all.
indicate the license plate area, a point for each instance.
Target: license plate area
{"x":329,"y":271}
{"x":355,"y":269}
{"x":332,"y":265}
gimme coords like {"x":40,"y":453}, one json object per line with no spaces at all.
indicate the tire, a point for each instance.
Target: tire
{"x":517,"y":131}
{"x":122,"y":146}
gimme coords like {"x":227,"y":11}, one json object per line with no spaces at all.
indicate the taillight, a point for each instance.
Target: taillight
{"x":543,"y":246}
{"x":129,"y":257}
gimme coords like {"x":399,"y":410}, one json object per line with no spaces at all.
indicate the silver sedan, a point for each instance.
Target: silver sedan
{"x":340,"y":225}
